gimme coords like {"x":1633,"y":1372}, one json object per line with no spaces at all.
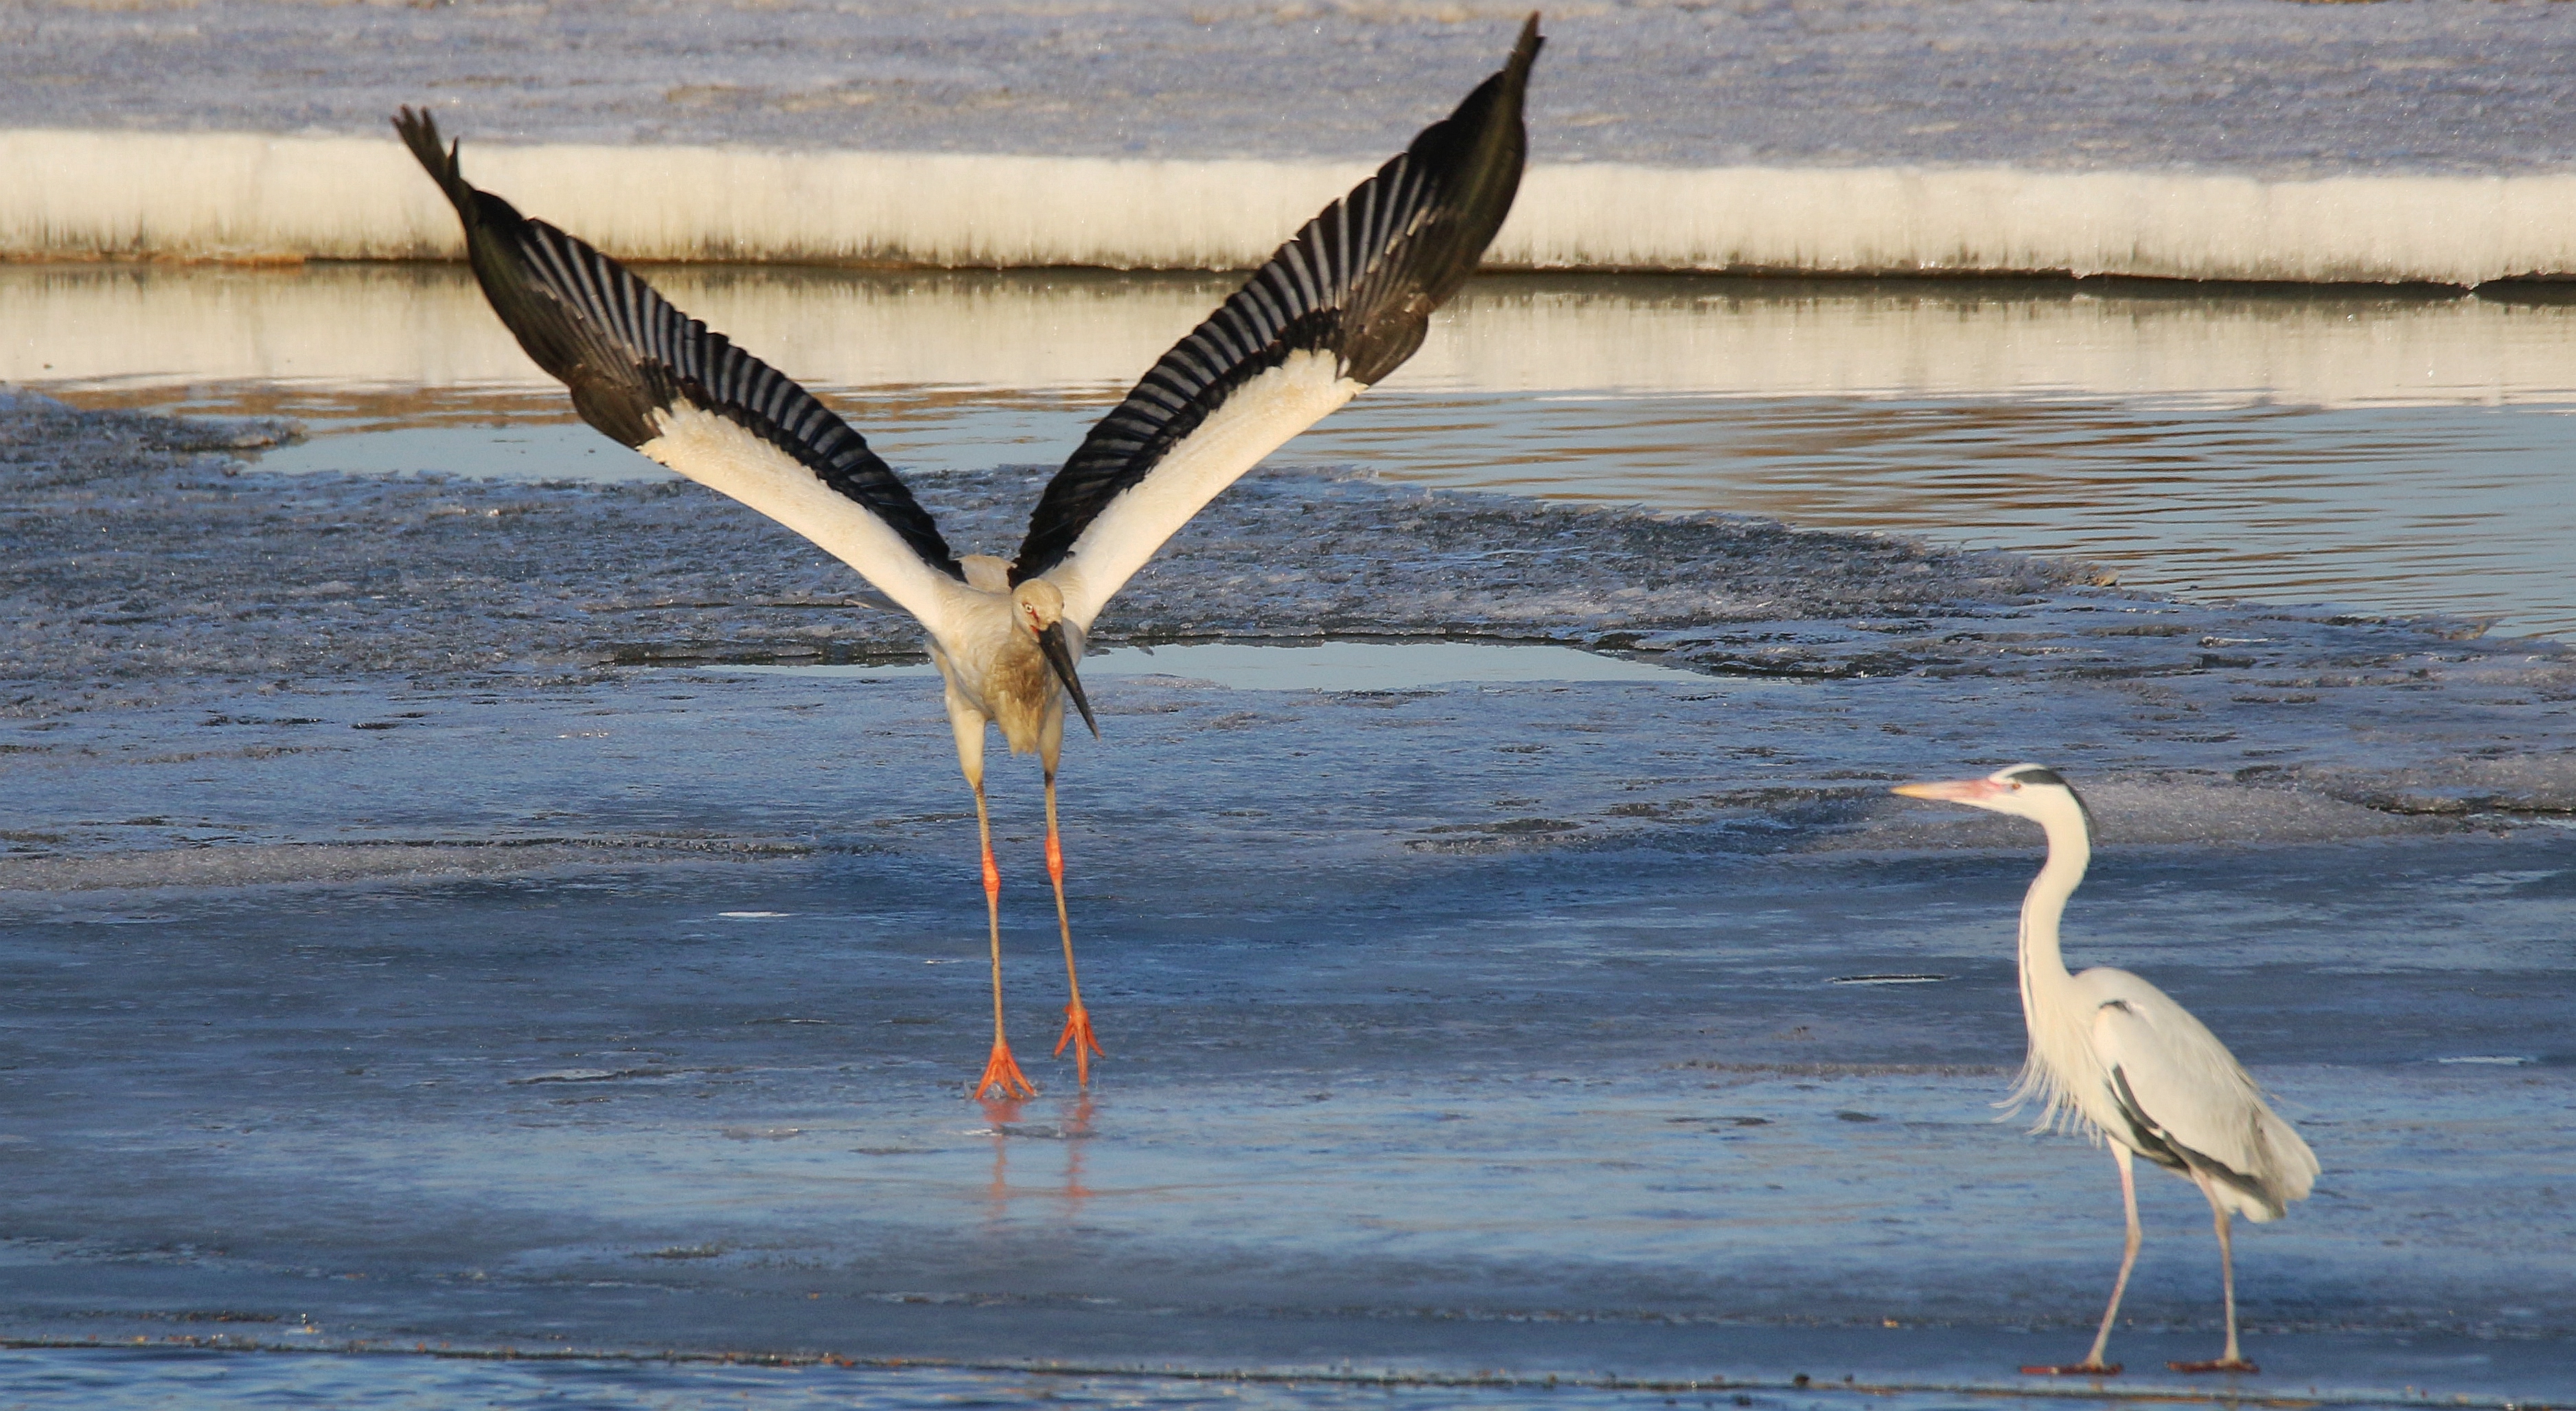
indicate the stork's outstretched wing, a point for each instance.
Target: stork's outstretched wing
{"x":664,"y":383}
{"x":1336,"y":309}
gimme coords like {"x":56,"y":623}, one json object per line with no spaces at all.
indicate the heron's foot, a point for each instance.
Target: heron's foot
{"x":1003,"y":1071}
{"x":2075,"y":1369}
{"x":2223,"y":1364}
{"x":1077,"y":1032}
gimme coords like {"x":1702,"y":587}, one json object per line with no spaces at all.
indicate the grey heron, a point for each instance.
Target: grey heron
{"x":2116,"y":1057}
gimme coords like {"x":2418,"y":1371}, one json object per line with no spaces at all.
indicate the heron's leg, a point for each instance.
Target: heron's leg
{"x":1000,"y":1070}
{"x":2233,"y":1360}
{"x":2128,"y":1251}
{"x":2093,"y":1365}
{"x":1077,"y":1020}
{"x":2224,"y":1223}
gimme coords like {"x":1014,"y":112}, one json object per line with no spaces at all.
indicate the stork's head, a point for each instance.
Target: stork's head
{"x":2032,"y":791}
{"x":1038,"y":606}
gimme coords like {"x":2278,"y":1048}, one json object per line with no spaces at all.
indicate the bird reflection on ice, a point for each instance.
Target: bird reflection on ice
{"x":1005,"y":1122}
{"x":1318,"y":666}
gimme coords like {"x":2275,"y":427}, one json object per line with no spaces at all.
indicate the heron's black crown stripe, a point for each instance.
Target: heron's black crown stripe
{"x":1358,"y":282}
{"x":2041,"y":775}
{"x":624,"y":352}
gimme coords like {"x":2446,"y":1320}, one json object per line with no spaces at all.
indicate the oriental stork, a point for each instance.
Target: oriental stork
{"x":1334,"y":310}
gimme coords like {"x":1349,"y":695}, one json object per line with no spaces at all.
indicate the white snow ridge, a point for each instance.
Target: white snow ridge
{"x":244,"y":196}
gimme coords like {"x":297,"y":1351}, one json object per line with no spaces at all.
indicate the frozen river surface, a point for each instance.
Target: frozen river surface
{"x":2239,"y":85}
{"x":425,"y":928}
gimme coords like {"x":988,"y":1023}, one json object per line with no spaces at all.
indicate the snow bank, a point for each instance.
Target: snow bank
{"x":248,"y":197}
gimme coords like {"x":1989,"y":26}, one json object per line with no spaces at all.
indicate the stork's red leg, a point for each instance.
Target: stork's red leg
{"x":1077,"y":1020}
{"x":1001,"y":1070}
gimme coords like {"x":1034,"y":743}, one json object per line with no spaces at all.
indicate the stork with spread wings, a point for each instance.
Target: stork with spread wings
{"x":1337,"y":308}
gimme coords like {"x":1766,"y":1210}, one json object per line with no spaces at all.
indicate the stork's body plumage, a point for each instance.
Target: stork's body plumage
{"x":1337,"y":308}
{"x":2116,"y":1057}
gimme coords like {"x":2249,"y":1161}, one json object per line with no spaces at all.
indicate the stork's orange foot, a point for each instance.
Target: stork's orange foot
{"x":1077,"y":1032}
{"x":2075,"y":1369}
{"x":1003,"y":1071}
{"x":2223,"y":1364}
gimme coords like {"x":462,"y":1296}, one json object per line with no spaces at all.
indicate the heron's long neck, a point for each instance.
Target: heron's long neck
{"x":2042,"y":966}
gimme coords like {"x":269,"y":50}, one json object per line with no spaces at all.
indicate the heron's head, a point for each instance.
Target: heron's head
{"x":1039,"y":606}
{"x":2032,"y":791}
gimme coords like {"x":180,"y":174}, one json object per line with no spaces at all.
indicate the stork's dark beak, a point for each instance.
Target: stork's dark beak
{"x":1051,"y":641}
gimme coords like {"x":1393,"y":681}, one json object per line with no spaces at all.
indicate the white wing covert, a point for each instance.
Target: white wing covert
{"x":2189,"y":1104}
{"x":1334,"y":310}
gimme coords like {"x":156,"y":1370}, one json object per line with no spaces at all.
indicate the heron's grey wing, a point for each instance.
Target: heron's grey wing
{"x":654,"y":378}
{"x":1336,"y":309}
{"x":2188,"y":1102}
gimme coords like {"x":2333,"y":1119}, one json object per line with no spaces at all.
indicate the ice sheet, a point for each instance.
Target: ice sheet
{"x":1429,"y":1052}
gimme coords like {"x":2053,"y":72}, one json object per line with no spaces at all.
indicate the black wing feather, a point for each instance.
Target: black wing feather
{"x":624,"y":352}
{"x":1359,"y":281}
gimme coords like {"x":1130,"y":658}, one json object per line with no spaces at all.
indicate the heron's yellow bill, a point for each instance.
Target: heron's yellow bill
{"x":1951,"y":790}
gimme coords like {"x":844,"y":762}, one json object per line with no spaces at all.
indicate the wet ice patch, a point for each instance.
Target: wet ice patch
{"x":1374,"y":666}
{"x":268,"y":865}
{"x":588,"y":1075}
{"x":525,"y":452}
{"x":254,"y":864}
{"x":2503,"y":780}
{"x":1321,"y":666}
